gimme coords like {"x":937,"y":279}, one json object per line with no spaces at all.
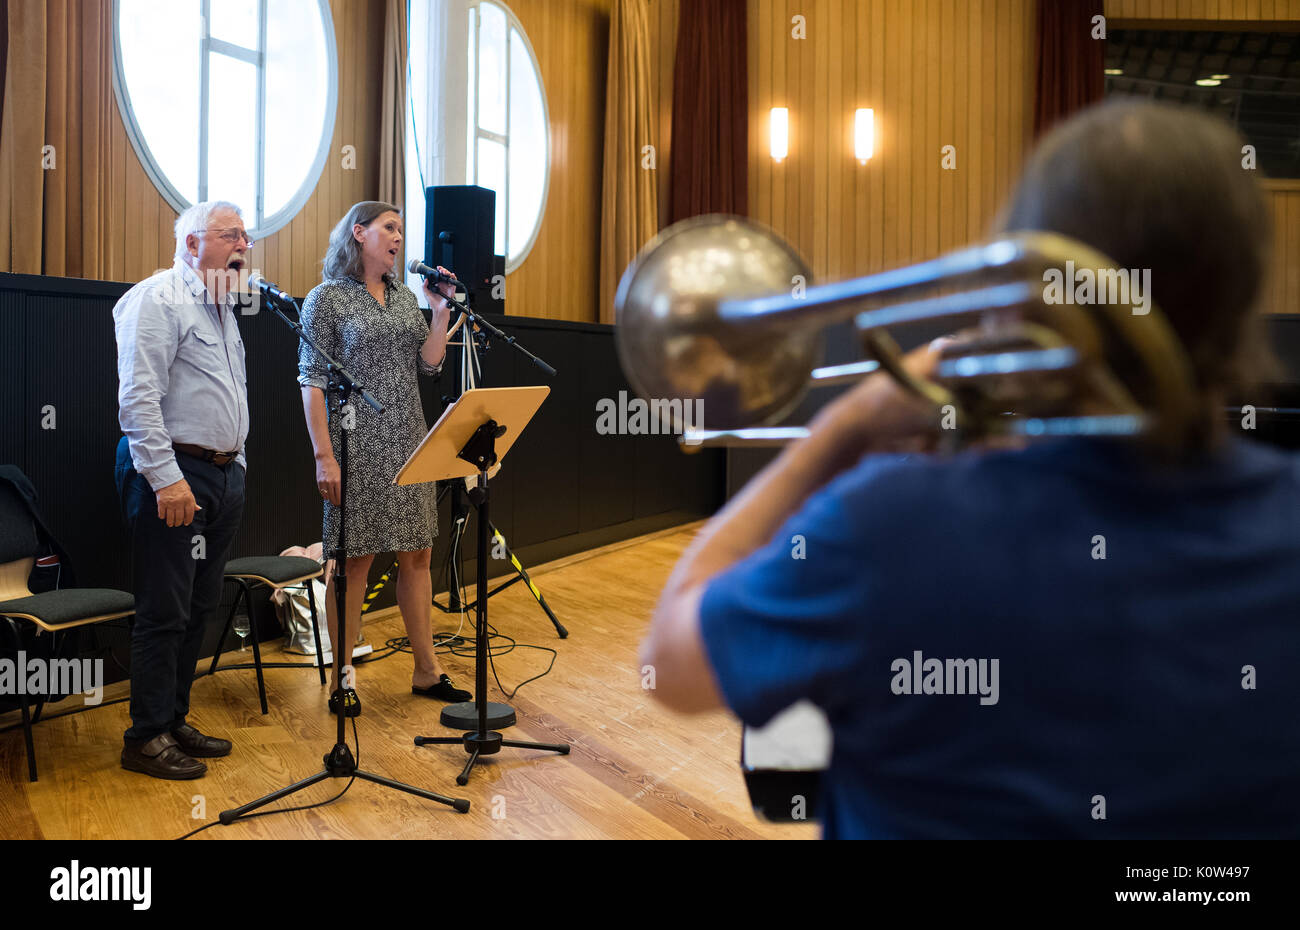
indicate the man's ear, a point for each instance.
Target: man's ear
{"x":192,"y":244}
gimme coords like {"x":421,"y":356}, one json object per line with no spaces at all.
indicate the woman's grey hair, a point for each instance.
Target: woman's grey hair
{"x":343,"y":258}
{"x":196,"y":218}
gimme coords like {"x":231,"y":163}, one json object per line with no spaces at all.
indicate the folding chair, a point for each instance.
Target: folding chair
{"x":52,"y":612}
{"x":274,"y":571}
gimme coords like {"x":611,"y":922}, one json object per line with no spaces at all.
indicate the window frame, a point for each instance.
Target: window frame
{"x":260,"y":226}
{"x":475,"y":131}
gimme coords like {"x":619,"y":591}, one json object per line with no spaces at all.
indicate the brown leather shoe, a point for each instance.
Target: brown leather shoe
{"x":162,"y":758}
{"x":196,"y":745}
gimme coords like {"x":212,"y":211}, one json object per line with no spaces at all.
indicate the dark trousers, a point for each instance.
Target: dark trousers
{"x":177,"y":574}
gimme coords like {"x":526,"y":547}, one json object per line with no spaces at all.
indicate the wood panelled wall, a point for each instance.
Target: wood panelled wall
{"x":937,"y":73}
{"x":560,"y":278}
{"x":1282,"y":291}
{"x":290,"y":257}
{"x":1204,"y":9}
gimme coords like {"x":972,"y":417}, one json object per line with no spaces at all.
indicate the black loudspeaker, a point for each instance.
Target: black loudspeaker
{"x":460,"y":234}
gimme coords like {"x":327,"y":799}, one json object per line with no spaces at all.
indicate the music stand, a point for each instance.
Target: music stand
{"x":471,"y":436}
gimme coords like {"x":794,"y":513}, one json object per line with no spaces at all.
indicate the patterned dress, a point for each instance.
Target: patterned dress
{"x":381,"y":347}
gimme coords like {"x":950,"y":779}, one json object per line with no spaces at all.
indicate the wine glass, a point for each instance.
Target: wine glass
{"x":241,"y":628}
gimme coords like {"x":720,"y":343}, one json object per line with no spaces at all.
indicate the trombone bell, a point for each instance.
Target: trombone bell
{"x":719,"y":309}
{"x":671,"y":342}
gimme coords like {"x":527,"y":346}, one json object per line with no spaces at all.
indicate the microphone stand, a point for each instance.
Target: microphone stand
{"x":339,"y":762}
{"x":472,"y":317}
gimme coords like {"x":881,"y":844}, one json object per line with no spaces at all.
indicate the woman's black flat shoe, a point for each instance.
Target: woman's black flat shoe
{"x":347,"y":699}
{"x":444,"y":690}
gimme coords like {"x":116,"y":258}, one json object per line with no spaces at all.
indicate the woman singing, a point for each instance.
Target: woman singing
{"x":369,"y":321}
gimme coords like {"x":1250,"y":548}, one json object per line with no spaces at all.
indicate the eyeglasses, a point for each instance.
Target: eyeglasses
{"x":231,"y":235}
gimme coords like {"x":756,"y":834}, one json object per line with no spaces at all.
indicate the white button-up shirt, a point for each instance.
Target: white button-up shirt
{"x":180,"y":369}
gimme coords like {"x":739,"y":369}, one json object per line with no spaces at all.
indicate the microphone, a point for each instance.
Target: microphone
{"x":268,"y":289}
{"x":418,"y":267}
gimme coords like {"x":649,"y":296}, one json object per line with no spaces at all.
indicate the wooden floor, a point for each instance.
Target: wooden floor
{"x":635,"y":770}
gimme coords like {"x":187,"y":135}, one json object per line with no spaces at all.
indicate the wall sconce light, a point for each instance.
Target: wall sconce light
{"x":864,"y":134}
{"x":780,"y":132}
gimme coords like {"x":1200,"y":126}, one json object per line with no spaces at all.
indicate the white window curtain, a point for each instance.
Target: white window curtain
{"x":436,"y":132}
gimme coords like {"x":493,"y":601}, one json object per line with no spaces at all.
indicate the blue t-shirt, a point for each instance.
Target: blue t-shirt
{"x":1158,"y":686}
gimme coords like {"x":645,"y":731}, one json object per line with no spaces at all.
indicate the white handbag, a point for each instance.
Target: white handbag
{"x":295,"y":616}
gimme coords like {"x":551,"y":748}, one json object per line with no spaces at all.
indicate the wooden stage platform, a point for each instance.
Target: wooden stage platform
{"x":635,"y":770}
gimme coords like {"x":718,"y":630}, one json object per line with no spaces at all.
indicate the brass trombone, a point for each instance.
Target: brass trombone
{"x":717,"y":308}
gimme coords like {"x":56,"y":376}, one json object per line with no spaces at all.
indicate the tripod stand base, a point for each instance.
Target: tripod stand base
{"x":485,"y":744}
{"x":464,"y":716}
{"x":339,"y":763}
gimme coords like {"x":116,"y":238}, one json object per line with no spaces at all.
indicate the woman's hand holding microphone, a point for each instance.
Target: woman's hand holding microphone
{"x":439,"y":301}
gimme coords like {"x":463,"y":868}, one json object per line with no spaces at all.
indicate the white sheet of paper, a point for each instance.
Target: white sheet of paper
{"x":798,"y":739}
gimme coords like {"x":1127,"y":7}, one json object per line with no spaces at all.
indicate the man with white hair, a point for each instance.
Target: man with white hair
{"x":183,"y":407}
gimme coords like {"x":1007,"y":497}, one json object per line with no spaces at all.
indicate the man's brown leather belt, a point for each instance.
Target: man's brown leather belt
{"x":216,"y":458}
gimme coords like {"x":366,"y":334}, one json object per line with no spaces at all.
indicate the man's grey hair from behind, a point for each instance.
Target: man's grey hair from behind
{"x":196,"y":218}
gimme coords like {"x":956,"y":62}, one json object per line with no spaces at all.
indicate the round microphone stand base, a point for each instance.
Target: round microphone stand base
{"x":464,"y":716}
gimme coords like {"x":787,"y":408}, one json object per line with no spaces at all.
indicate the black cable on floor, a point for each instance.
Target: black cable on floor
{"x":513,"y":644}
{"x":468,"y":649}
{"x":472,"y":652}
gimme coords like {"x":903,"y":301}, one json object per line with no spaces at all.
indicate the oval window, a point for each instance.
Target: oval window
{"x":509,"y":141}
{"x":228,"y":99}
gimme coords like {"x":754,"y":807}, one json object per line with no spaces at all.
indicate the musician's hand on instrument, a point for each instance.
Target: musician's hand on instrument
{"x":879,"y":414}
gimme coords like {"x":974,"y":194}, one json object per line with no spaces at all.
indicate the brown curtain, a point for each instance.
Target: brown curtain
{"x":57,"y":92}
{"x":1070,"y":61}
{"x":22,"y":133}
{"x":629,"y":209}
{"x":710,"y":128}
{"x":393,"y":108}
{"x":4,"y":53}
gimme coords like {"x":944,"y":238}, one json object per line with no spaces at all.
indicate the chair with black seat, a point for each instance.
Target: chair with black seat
{"x":54,"y":612}
{"x":274,"y":571}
